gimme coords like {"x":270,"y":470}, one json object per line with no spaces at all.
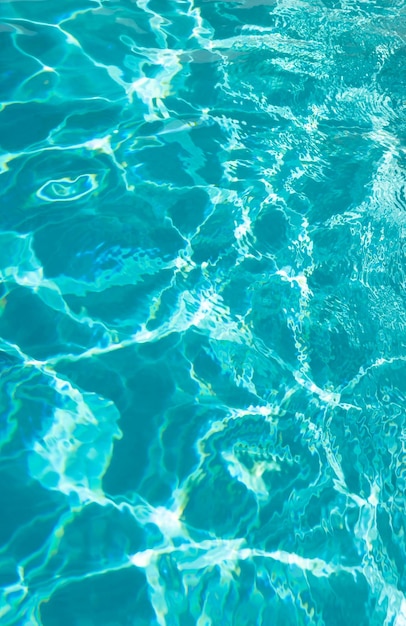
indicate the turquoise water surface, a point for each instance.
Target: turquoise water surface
{"x":203,"y":313}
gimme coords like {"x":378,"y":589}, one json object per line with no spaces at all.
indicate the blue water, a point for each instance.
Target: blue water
{"x":202,"y":313}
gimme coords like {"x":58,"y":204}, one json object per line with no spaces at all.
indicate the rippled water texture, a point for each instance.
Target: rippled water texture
{"x":203,"y":322}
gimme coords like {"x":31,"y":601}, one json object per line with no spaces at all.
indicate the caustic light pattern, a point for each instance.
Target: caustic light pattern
{"x":202,"y":313}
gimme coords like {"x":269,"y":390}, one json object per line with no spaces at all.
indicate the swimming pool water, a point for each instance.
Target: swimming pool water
{"x":202,"y":313}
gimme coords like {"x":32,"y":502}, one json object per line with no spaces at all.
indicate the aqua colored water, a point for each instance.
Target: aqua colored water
{"x":203,"y":313}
